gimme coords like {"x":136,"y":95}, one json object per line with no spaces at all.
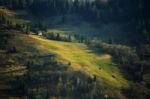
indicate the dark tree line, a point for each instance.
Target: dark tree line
{"x":113,"y":10}
{"x":136,"y":11}
{"x":144,"y":17}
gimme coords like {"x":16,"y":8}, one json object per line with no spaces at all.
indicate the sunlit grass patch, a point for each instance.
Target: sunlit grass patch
{"x":79,"y":55}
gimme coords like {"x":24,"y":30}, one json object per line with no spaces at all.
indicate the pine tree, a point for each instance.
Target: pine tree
{"x":3,"y":19}
{"x":69,"y":38}
{"x":58,"y":36}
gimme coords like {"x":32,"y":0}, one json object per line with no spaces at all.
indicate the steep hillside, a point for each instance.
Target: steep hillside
{"x":62,"y":62}
{"x":74,"y":49}
{"x":80,"y":57}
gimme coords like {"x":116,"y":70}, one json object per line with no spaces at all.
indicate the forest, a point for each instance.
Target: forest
{"x":74,"y":49}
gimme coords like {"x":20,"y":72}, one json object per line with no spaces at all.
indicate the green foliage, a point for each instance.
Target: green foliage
{"x":91,"y":11}
{"x":55,"y":73}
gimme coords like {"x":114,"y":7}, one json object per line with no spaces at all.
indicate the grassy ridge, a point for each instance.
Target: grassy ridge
{"x":81,"y":58}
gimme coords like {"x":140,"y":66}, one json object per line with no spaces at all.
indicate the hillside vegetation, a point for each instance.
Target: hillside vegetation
{"x":74,"y":49}
{"x":76,"y":56}
{"x":81,"y":59}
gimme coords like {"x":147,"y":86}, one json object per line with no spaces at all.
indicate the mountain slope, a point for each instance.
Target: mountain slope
{"x":80,"y":57}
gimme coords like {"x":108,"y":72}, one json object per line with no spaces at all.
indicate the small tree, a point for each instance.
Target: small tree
{"x":58,"y":36}
{"x":69,"y":38}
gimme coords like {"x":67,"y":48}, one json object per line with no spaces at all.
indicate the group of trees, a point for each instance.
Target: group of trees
{"x":16,"y":4}
{"x":8,"y":22}
{"x":95,"y":11}
{"x":58,"y":36}
{"x":133,"y":61}
{"x":5,"y":20}
{"x":124,"y":55}
{"x":92,"y":11}
{"x":5,"y":36}
{"x":67,"y":37}
{"x":143,"y":20}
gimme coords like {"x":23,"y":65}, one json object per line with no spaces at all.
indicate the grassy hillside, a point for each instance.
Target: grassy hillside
{"x":75,"y":64}
{"x":81,"y":58}
{"x":97,"y":50}
{"x":72,"y":59}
